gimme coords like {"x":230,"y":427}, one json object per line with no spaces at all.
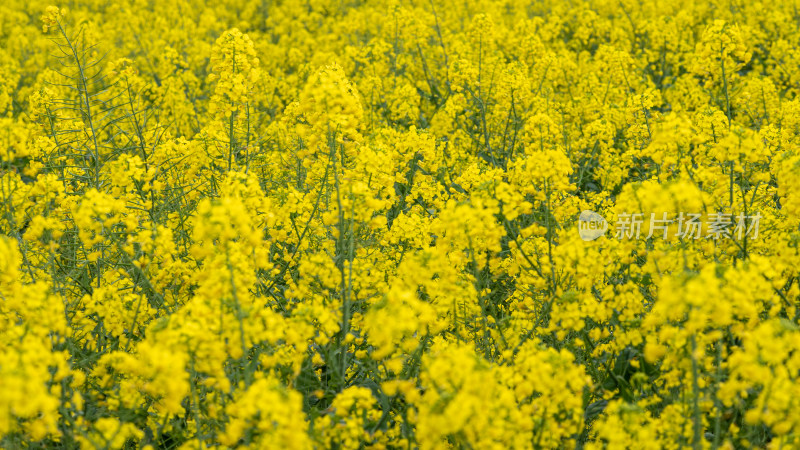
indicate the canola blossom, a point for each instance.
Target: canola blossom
{"x":427,"y":224}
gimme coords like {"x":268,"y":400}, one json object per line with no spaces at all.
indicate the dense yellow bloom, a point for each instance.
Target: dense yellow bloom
{"x":418,"y":224}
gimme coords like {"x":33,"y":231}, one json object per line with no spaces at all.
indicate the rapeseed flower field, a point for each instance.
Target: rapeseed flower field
{"x":429,"y":224}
